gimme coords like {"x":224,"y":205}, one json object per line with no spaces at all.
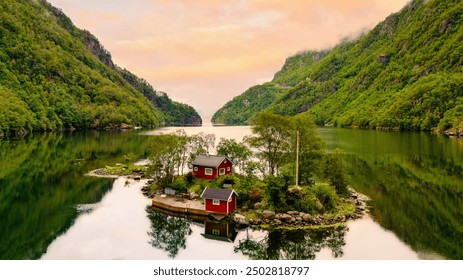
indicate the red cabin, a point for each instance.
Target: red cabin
{"x":210,"y":167}
{"x":219,"y":200}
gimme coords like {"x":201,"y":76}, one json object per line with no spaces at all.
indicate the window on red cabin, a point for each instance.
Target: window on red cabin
{"x":221,"y":171}
{"x":196,"y":168}
{"x":228,"y":168}
{"x":208,"y":171}
{"x":216,"y":202}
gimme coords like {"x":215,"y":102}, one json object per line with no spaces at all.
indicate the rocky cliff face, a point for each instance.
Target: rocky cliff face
{"x":89,"y":40}
{"x":94,"y":46}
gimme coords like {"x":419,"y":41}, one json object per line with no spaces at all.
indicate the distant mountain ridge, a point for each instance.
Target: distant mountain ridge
{"x":54,"y":76}
{"x":406,"y":73}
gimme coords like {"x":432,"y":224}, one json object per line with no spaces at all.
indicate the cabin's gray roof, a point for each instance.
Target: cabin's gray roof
{"x":220,"y":194}
{"x":208,"y":161}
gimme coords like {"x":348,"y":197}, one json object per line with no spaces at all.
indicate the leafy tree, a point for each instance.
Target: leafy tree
{"x":238,"y":153}
{"x":163,"y":155}
{"x":311,"y":148}
{"x":272,"y":139}
{"x":335,"y":172}
{"x":200,"y":143}
{"x":181,"y":153}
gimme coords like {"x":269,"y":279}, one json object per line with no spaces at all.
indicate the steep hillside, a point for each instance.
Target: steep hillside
{"x":175,"y":113}
{"x":406,"y":73}
{"x":259,"y":97}
{"x":49,"y":80}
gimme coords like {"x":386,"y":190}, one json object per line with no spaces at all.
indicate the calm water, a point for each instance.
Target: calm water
{"x":49,"y":210}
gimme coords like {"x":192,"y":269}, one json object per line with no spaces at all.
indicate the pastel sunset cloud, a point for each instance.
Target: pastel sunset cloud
{"x":205,"y":52}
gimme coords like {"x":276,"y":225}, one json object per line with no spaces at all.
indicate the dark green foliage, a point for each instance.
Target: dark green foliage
{"x":54,"y":76}
{"x":276,"y":190}
{"x":326,"y":196}
{"x":406,"y":73}
{"x":180,"y":184}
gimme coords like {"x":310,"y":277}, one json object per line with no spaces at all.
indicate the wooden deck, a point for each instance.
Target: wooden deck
{"x":184,"y":207}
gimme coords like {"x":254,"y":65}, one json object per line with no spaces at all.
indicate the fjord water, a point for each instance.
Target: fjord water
{"x":50,"y":210}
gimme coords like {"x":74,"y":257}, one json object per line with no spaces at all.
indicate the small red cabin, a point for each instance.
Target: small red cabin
{"x":219,"y":200}
{"x":210,"y":167}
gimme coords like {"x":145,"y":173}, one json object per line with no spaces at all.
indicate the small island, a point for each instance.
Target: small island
{"x":282,"y":176}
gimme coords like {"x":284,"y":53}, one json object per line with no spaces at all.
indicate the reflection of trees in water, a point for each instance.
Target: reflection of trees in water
{"x":168,"y":233}
{"x":294,"y":244}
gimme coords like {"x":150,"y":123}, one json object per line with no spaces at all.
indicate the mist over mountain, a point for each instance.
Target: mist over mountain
{"x":406,"y":73}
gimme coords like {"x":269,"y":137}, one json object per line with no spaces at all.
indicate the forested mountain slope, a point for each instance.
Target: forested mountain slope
{"x":54,"y":77}
{"x":259,"y":97}
{"x":406,"y":73}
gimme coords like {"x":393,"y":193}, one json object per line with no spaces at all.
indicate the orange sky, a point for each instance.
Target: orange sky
{"x":205,"y":52}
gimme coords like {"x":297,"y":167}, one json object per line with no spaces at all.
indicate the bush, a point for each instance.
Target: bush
{"x":196,"y":189}
{"x":326,"y":195}
{"x":276,"y":192}
{"x":307,"y":204}
{"x":180,"y":184}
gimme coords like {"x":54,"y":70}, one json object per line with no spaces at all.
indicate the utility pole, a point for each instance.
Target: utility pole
{"x":297,"y":158}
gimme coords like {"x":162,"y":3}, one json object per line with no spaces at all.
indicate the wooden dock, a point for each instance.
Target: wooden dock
{"x":187,"y":209}
{"x":184,"y":208}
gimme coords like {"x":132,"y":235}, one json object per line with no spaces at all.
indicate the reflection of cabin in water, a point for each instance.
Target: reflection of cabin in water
{"x":219,"y":231}
{"x":210,"y":167}
{"x":219,"y":200}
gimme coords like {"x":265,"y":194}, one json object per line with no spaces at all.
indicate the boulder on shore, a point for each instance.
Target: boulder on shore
{"x":307,"y":218}
{"x":267,"y":214}
{"x":241,"y":220}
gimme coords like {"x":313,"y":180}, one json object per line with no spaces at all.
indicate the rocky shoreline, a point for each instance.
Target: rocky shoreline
{"x":270,"y":219}
{"x":101,"y":173}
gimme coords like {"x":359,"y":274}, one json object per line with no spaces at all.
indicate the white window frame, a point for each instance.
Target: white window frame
{"x":221,"y":171}
{"x":215,"y":202}
{"x":195,"y":168}
{"x":215,"y":232}
{"x":228,"y":168}
{"x":206,"y":171}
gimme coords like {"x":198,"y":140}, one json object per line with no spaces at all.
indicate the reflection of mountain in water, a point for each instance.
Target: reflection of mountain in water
{"x":294,"y":244}
{"x":42,"y":187}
